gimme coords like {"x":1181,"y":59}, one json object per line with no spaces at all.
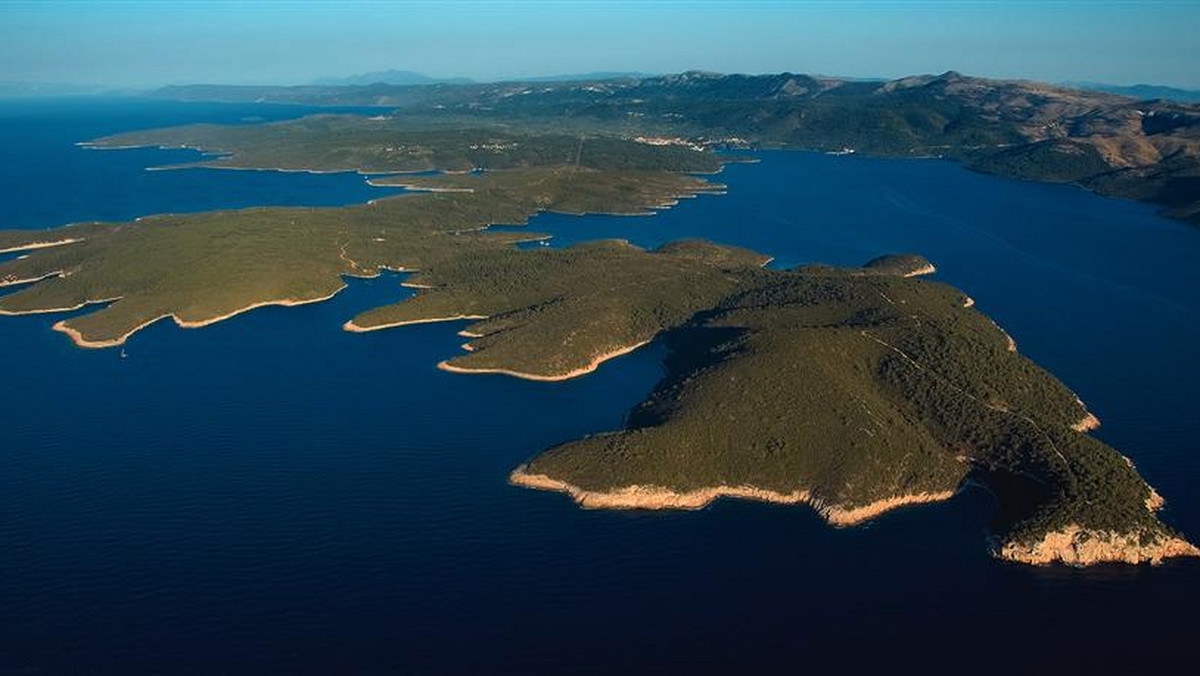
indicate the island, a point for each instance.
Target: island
{"x":852,"y":390}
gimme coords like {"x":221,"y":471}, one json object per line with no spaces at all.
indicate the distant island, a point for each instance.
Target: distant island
{"x":854,"y":390}
{"x":1147,"y":150}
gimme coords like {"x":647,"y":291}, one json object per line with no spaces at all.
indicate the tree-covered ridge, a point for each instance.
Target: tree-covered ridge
{"x":858,"y":391}
{"x":571,"y":189}
{"x":550,"y":314}
{"x":401,"y":144}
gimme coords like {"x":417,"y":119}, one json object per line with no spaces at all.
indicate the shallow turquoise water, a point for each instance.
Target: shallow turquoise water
{"x":274,"y":495}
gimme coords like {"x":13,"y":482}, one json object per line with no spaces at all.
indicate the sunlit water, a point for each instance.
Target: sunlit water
{"x":272,"y":494}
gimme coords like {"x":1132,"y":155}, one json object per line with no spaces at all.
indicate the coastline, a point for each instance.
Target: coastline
{"x":1078,"y":546}
{"x":1010,"y":344}
{"x":55,"y":310}
{"x":79,"y":340}
{"x":841,"y":516}
{"x":658,"y":497}
{"x":286,"y":302}
{"x":413,"y":187}
{"x":40,"y":245}
{"x":215,"y":156}
{"x":1087,"y":423}
{"x":927,"y":269}
{"x":27,"y":280}
{"x":583,"y":370}
{"x":358,"y":328}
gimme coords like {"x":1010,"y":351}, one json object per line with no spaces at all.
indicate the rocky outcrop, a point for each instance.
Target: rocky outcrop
{"x":659,"y":497}
{"x":1077,"y":546}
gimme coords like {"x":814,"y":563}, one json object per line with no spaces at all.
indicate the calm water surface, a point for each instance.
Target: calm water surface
{"x":273,"y":495}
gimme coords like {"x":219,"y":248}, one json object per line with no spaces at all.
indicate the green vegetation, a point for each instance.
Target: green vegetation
{"x":401,"y":144}
{"x":554,"y":313}
{"x":855,"y":389}
{"x":203,"y":267}
{"x":900,"y":265}
{"x":571,"y":189}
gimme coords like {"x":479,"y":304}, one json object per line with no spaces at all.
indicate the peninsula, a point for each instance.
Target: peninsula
{"x":201,"y":268}
{"x":859,"y":391}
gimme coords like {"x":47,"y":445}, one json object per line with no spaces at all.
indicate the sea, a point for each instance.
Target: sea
{"x":273,"y":495}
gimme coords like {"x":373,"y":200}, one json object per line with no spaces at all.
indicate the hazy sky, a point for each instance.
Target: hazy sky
{"x":150,"y":43}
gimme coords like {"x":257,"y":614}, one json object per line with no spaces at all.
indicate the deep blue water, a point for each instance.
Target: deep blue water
{"x":48,"y":181}
{"x":274,"y":495}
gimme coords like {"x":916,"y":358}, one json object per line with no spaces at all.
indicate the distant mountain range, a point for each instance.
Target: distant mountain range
{"x":408,"y":77}
{"x":1147,"y":92}
{"x":581,"y":77}
{"x":392,"y":77}
{"x":1141,"y":91}
{"x":29,"y":90}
